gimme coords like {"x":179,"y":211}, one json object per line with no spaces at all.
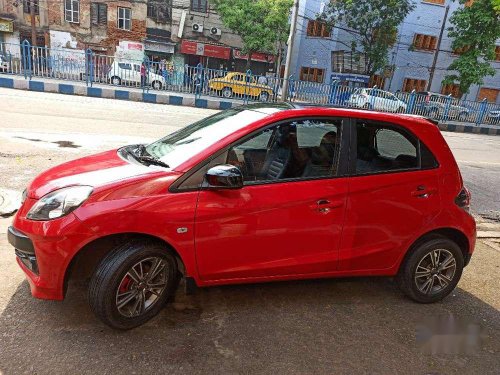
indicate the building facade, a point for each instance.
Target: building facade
{"x":322,"y":55}
{"x":175,"y":31}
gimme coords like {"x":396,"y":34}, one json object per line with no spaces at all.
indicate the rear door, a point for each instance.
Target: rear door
{"x":393,"y":194}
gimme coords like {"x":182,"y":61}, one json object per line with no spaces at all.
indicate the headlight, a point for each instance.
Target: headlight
{"x":59,"y":203}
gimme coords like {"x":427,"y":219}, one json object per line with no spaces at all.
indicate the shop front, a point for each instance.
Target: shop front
{"x":260,"y":63}
{"x":209,"y":55}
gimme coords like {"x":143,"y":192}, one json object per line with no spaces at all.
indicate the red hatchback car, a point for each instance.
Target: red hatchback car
{"x":252,"y":194}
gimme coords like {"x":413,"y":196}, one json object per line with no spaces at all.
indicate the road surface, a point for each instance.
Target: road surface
{"x":343,"y":326}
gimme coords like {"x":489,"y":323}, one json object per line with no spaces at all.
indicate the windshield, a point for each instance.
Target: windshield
{"x":180,"y":146}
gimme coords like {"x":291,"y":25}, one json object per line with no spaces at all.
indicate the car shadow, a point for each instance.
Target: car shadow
{"x":352,"y":325}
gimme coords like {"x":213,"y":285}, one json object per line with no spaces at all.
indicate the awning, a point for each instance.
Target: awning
{"x":190,"y":47}
{"x":161,"y":47}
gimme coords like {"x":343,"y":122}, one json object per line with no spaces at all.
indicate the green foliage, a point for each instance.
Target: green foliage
{"x":374,"y":25}
{"x":261,"y":24}
{"x":476,"y":27}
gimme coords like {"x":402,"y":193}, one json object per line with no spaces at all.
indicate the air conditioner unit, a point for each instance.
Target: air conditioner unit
{"x":215,"y":31}
{"x":197,"y":28}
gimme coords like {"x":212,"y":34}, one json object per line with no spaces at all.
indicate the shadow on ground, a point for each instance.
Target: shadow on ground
{"x":353,"y":326}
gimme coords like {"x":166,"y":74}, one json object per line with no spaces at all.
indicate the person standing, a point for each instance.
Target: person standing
{"x":143,"y":75}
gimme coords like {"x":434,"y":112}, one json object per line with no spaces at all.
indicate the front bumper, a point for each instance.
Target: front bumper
{"x":25,"y":251}
{"x":44,"y":249}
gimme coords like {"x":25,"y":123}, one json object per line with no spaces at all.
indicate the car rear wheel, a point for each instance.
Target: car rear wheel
{"x":432,"y":270}
{"x":264,"y":96}
{"x":116,"y":81}
{"x":227,"y":92}
{"x":132,"y":284}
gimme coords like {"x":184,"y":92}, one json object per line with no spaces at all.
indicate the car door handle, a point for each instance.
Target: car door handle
{"x":423,"y":192}
{"x":324,"y":205}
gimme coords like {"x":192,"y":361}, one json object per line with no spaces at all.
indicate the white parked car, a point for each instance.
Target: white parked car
{"x":4,"y":62}
{"x":376,"y":99}
{"x":129,"y":73}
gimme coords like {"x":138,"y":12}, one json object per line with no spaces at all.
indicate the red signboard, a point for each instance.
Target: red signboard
{"x":256,"y":56}
{"x":201,"y":49}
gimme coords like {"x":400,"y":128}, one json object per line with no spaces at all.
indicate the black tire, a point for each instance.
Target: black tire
{"x":156,"y":85}
{"x":109,"y":276}
{"x":264,"y":96}
{"x":407,"y":272}
{"x":367,"y":106}
{"x":117,"y":81}
{"x":227,"y":92}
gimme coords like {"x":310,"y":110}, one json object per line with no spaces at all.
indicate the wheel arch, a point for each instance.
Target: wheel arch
{"x":86,"y":259}
{"x":452,"y":234}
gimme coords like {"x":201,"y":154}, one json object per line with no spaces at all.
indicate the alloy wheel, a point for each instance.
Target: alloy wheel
{"x":435,"y":271}
{"x":142,"y":286}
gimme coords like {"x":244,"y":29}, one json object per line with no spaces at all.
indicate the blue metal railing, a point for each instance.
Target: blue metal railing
{"x":86,"y":66}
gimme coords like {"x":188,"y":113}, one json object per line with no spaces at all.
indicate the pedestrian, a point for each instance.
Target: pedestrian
{"x":143,"y":75}
{"x":262,"y":80}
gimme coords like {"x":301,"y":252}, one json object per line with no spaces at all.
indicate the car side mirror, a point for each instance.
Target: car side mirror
{"x":224,"y":176}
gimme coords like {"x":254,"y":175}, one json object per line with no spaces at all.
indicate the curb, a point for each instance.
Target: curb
{"x":111,"y":92}
{"x":116,"y":93}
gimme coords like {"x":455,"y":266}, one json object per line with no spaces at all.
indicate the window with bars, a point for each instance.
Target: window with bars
{"x":411,"y":84}
{"x":312,"y":74}
{"x":199,"y":6}
{"x":99,"y":14}
{"x":72,"y":11}
{"x":27,"y":6}
{"x":348,"y":62}
{"x":124,"y":18}
{"x":497,"y":53}
{"x":452,"y":89}
{"x":160,"y":10}
{"x":377,"y":80}
{"x":318,"y":29}
{"x":425,"y":42}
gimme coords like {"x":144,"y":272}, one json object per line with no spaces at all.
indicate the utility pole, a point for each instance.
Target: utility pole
{"x":33,"y":22}
{"x":291,"y":38}
{"x":436,"y":54}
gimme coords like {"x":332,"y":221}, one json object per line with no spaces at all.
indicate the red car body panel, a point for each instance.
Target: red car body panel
{"x":259,"y":233}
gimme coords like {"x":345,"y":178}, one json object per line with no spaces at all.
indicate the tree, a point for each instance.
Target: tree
{"x":373,"y":25}
{"x":261,"y":24}
{"x":474,"y":31}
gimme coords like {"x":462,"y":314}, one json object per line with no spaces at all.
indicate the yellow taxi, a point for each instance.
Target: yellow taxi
{"x":236,"y":83}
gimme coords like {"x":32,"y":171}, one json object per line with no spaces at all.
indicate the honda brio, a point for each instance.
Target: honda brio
{"x":251,"y":194}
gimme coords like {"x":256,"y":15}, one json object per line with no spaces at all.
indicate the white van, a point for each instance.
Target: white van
{"x":129,"y":73}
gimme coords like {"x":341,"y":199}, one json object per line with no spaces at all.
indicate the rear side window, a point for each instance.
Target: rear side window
{"x":382,"y":148}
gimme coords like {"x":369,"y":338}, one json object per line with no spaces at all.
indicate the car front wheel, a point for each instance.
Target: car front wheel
{"x":227,"y":92}
{"x":432,"y":270}
{"x":132,"y":284}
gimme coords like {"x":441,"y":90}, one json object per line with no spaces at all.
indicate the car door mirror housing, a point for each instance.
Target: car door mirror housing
{"x":224,"y":176}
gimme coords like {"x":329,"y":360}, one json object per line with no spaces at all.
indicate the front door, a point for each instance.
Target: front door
{"x":288,"y":217}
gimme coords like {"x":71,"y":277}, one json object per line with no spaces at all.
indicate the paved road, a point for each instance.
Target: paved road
{"x":348,"y":326}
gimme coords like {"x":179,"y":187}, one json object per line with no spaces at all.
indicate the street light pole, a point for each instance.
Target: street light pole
{"x":291,"y":38}
{"x":436,"y":54}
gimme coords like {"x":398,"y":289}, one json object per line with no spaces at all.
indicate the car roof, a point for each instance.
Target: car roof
{"x":328,"y":110}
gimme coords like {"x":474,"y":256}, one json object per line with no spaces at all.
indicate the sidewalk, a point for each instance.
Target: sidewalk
{"x":173,"y":98}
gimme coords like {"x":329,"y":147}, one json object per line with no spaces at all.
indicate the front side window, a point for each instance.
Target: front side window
{"x":124,"y":15}
{"x":382,"y":148}
{"x":72,"y":11}
{"x":295,"y":150}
